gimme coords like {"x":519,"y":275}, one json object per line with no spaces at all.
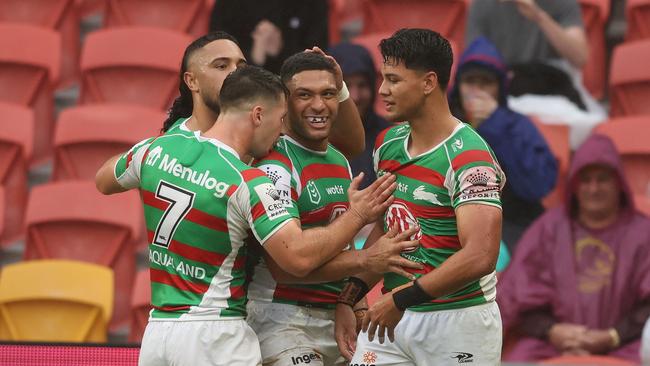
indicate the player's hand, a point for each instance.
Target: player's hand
{"x":528,"y":8}
{"x":344,"y":330}
{"x":360,"y":309}
{"x":596,"y":341}
{"x":382,"y":318}
{"x":384,"y":255}
{"x":338,"y":73}
{"x":371,"y":203}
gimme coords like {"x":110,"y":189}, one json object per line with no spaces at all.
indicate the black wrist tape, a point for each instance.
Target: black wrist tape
{"x":410,"y":296}
{"x":353,"y":291}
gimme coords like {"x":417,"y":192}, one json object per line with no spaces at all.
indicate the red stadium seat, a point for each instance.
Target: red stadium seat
{"x":71,"y":220}
{"x":186,"y":16}
{"x":630,"y":137}
{"x":642,"y":203}
{"x":16,"y":141}
{"x":140,"y":306}
{"x":587,"y":360}
{"x":58,"y":15}
{"x":637,"y":13}
{"x":29,"y":67}
{"x":629,"y":79}
{"x":87,"y":136}
{"x":90,"y":7}
{"x":594,"y":15}
{"x":132,"y":65}
{"x":557,"y":138}
{"x":446,"y":17}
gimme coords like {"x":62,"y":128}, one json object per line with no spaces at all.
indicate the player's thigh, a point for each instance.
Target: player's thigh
{"x":451,"y":337}
{"x":151,"y":352}
{"x":376,"y":354}
{"x":214,"y":343}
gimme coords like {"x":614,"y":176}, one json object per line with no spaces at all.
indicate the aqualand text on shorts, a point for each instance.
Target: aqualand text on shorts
{"x":199,"y":343}
{"x":293,"y":335}
{"x":467,"y":336}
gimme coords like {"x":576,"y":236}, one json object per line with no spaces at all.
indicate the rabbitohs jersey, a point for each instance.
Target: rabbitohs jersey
{"x":200,"y":201}
{"x":461,"y":169}
{"x":180,"y":126}
{"x":313,"y":187}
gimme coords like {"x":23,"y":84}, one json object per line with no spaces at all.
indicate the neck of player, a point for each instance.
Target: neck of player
{"x":432,"y":125}
{"x":231,"y":129}
{"x":315,"y":145}
{"x":202,"y":118}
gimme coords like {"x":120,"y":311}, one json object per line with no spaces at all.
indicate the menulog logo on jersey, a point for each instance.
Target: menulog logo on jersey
{"x":173,"y":167}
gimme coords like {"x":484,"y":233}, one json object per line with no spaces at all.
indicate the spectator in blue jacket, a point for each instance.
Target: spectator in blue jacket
{"x":479,"y":98}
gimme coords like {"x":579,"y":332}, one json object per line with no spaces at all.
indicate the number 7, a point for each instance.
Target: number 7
{"x":180,"y":203}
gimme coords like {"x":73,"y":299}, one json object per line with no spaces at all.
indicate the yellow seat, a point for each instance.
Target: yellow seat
{"x":55,"y":301}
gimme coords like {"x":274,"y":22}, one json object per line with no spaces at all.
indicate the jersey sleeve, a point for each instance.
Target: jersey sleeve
{"x":477,"y":178}
{"x":127,"y":167}
{"x":284,"y":185}
{"x":260,"y":203}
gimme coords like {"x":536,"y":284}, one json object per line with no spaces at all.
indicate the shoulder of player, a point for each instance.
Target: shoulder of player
{"x":278,"y":156}
{"x":391,"y":134}
{"x":466,"y":146}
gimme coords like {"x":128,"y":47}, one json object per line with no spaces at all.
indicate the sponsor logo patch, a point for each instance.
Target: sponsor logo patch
{"x":463,"y":357}
{"x":270,"y":199}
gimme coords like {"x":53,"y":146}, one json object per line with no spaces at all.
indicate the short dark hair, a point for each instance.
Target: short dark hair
{"x":249,"y":83}
{"x":420,"y":49}
{"x":305,"y":61}
{"x":183,"y":104}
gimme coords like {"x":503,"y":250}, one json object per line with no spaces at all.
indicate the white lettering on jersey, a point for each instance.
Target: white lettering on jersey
{"x":270,"y":200}
{"x":203,"y":179}
{"x":421,"y":194}
{"x":337,"y":189}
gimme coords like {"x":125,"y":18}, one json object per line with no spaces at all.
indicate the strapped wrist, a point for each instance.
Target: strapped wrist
{"x":344,"y":93}
{"x":353,"y":291}
{"x":410,"y":296}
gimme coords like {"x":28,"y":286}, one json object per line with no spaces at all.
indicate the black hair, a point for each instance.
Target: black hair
{"x":249,"y":83}
{"x":183,"y":105}
{"x":305,"y":61}
{"x":420,"y":49}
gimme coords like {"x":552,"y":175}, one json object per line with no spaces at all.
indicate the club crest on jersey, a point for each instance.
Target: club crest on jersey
{"x":337,"y":210}
{"x":421,"y":194}
{"x":400,"y":215}
{"x":457,"y":144}
{"x":314,"y":194}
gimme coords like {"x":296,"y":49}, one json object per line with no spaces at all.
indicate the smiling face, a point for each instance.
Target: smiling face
{"x":313,"y":105}
{"x":210,"y":66}
{"x":402,"y":91}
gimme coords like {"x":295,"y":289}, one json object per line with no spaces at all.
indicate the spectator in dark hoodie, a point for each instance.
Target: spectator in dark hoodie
{"x":360,"y":76}
{"x":479,"y":98}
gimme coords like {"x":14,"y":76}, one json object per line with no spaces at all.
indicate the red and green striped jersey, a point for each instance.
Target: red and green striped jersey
{"x":461,"y":169}
{"x":313,"y":187}
{"x":200,"y":201}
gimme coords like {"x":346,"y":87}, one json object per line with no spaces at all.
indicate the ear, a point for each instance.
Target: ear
{"x":256,"y":115}
{"x":430,"y":82}
{"x":190,"y":81}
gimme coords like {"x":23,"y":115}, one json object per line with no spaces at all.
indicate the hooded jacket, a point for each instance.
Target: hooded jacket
{"x":520,"y":148}
{"x":355,"y":59}
{"x":596,"y":278}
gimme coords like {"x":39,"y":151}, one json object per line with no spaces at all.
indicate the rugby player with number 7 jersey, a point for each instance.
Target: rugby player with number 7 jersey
{"x":449,"y":184}
{"x":200,"y":201}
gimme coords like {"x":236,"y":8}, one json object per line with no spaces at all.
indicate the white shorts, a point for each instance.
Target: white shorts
{"x":645,"y":344}
{"x":468,"y":336}
{"x":294,"y":335}
{"x":197,"y":343}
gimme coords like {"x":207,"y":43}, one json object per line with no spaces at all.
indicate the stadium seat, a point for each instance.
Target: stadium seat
{"x":186,"y":16}
{"x":28,"y":74}
{"x":55,"y":301}
{"x":587,"y":360}
{"x":132,"y":65}
{"x":61,"y":16}
{"x":16,"y":141}
{"x":71,"y":220}
{"x":594,"y":16}
{"x":629,"y":79}
{"x":637,"y":13}
{"x":446,"y":17}
{"x":557,"y":138}
{"x":630,"y":137}
{"x":91,"y":7}
{"x":140,"y":306}
{"x":87,"y":136}
{"x":642,"y":203}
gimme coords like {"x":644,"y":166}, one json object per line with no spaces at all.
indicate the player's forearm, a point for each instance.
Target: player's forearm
{"x":347,"y":132}
{"x":346,"y":264}
{"x":105,"y":178}
{"x":318,"y":245}
{"x":569,"y":43}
